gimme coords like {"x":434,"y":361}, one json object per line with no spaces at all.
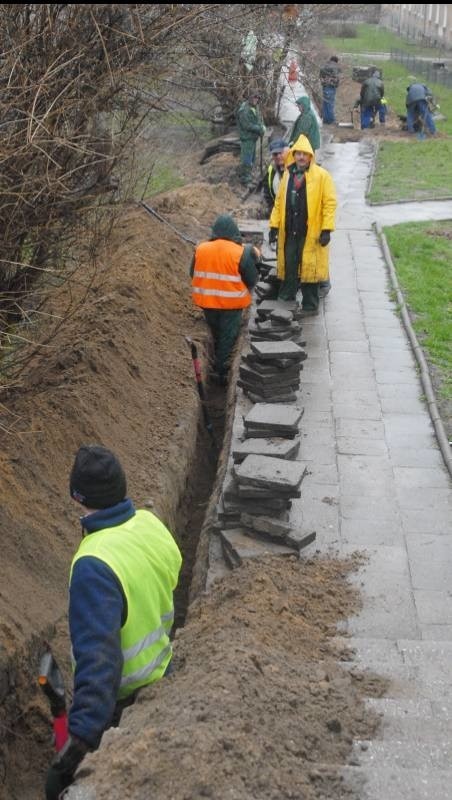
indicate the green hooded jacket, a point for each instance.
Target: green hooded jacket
{"x":306,"y":124}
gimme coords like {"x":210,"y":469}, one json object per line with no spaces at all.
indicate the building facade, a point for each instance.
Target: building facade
{"x":427,"y":23}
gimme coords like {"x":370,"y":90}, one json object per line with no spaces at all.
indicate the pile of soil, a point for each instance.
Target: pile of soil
{"x":259,"y":704}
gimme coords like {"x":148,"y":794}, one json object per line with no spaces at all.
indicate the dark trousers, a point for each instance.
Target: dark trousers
{"x":293,"y":249}
{"x":328,"y":101}
{"x":247,"y":158}
{"x":225,"y":327}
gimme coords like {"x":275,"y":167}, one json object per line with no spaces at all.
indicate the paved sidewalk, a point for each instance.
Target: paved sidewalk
{"x":378,"y":484}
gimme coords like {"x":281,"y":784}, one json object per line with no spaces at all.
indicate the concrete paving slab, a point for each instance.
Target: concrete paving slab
{"x":276,"y":448}
{"x":403,"y":708}
{"x":361,"y":429}
{"x":383,"y":509}
{"x":419,"y":520}
{"x":274,"y":474}
{"x":385,"y":584}
{"x":242,"y":546}
{"x":401,"y":377}
{"x":357,"y":410}
{"x":412,"y":754}
{"x":401,"y":405}
{"x":349,"y":346}
{"x":369,"y":533}
{"x":360,"y":446}
{"x":437,"y":633}
{"x":433,"y":607}
{"x":395,"y":783}
{"x":422,"y":478}
{"x":365,"y":475}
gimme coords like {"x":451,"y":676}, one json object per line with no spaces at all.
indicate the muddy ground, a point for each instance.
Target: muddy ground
{"x":259,"y":704}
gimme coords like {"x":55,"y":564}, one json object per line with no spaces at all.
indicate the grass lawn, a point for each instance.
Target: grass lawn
{"x":413,"y":170}
{"x":372,"y":39}
{"x":422,"y":256}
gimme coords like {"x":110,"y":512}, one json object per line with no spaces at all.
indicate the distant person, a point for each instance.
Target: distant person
{"x":417,"y":108}
{"x":301,"y":222}
{"x":371,"y":101}
{"x":329,"y":78}
{"x":305,"y":123}
{"x":251,"y":128}
{"x":120,"y":606}
{"x":223,"y":272}
{"x":278,"y":150}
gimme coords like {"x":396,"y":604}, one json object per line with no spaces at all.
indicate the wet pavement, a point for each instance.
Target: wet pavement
{"x":377,"y":483}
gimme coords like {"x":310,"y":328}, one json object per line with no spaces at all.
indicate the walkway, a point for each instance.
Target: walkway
{"x":378,"y":483}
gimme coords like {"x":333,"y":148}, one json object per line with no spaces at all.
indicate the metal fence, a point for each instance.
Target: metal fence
{"x":434,"y":70}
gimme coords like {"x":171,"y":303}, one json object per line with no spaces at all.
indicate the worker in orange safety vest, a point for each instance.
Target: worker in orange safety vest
{"x":223,"y":273}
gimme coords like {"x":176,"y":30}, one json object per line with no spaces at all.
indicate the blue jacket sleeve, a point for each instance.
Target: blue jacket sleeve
{"x":97,"y":609}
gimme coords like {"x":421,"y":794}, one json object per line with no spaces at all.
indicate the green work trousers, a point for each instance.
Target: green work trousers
{"x":247,"y":158}
{"x":225,"y":327}
{"x":293,"y":248}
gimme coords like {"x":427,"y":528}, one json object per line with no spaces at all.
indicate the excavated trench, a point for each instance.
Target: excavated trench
{"x":26,"y":737}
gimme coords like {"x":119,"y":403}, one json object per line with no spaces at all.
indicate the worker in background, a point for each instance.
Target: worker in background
{"x":329,"y":78}
{"x":278,"y":150}
{"x":305,"y":123}
{"x":371,"y":101}
{"x":417,"y":108}
{"x":223,"y":272}
{"x":251,"y":128}
{"x":301,"y":221}
{"x":120,"y":606}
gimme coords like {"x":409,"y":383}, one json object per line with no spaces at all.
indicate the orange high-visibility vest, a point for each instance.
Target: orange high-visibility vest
{"x":216,"y":281}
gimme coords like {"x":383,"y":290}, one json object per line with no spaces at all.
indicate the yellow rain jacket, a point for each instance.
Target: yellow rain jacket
{"x":321,"y":202}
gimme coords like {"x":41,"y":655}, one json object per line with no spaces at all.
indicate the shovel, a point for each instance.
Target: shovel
{"x":200,"y":385}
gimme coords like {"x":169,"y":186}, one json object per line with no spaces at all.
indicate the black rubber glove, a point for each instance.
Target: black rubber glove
{"x":272,"y":235}
{"x":324,"y":238}
{"x":61,"y":771}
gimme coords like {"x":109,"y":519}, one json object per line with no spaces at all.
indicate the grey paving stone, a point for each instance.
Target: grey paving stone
{"x":357,"y":411}
{"x":276,"y":448}
{"x":365,"y":475}
{"x":268,"y":417}
{"x":419,"y":520}
{"x":349,"y":346}
{"x":429,"y":498}
{"x":395,"y":783}
{"x":383,"y":509}
{"x":361,"y":446}
{"x":385,"y":585}
{"x":403,"y":708}
{"x":317,"y":454}
{"x":392,"y":342}
{"x":368,"y":652}
{"x":409,"y":754}
{"x":318,"y":514}
{"x":369,"y":533}
{"x":433,"y":607}
{"x":274,"y":350}
{"x":321,"y":474}
{"x":271,"y":473}
{"x":362,"y":429}
{"x":241,"y":546}
{"x":436,"y":633}
{"x":416,"y":457}
{"x":399,"y":405}
{"x":401,"y":377}
{"x":423,"y":478}
{"x":273,"y":527}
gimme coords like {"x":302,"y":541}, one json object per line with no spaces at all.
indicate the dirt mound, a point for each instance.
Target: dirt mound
{"x":258,"y":705}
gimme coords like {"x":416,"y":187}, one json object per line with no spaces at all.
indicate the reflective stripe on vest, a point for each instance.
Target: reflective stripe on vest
{"x":216,"y":281}
{"x":146,"y":561}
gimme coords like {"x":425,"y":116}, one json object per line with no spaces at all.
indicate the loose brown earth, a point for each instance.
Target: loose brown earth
{"x":259,"y":705}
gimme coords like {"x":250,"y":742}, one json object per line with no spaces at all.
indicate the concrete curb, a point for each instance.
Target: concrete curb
{"x":419,"y":355}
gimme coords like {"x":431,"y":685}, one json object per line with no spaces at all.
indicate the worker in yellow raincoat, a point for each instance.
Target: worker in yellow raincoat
{"x":301,"y":222}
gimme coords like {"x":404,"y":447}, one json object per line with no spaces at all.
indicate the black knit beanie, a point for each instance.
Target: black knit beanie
{"x":97,"y":478}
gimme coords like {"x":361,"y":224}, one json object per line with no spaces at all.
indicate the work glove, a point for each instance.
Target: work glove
{"x":324,"y":238}
{"x":61,"y":771}
{"x":273,"y":235}
{"x":263,"y":129}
